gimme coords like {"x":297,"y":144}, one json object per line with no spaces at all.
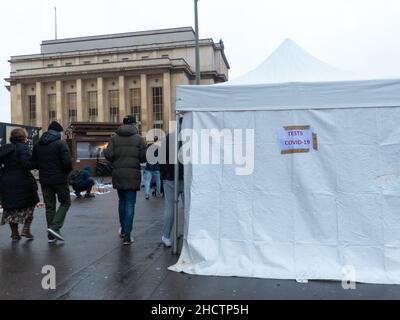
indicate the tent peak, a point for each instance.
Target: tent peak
{"x":291,"y":63}
{"x":289,"y":42}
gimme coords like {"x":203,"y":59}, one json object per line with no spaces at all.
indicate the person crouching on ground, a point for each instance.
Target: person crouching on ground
{"x":54,"y":162}
{"x":17,"y":185}
{"x":84,"y":183}
{"x":126,"y":151}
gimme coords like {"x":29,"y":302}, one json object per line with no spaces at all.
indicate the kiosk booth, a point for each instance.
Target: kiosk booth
{"x":87,"y":142}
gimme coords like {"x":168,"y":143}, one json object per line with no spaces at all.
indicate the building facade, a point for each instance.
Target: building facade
{"x":103,"y":78}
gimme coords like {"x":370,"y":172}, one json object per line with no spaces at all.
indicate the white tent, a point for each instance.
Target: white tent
{"x":291,"y":63}
{"x":300,"y":215}
{"x":319,"y":214}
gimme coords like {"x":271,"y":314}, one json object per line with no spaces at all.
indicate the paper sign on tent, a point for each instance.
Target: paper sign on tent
{"x":297,"y":139}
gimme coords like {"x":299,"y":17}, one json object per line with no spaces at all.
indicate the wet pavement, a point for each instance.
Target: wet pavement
{"x":92,"y":264}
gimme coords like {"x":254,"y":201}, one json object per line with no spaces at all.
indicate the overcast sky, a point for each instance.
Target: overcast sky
{"x":362,"y":36}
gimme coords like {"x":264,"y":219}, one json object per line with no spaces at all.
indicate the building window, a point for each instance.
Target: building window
{"x":93,"y":110}
{"x":50,"y":65}
{"x":158,"y":108}
{"x":136,"y":106}
{"x":106,"y":60}
{"x":32,"y":110}
{"x":114,"y":105}
{"x":51,"y":104}
{"x":71,"y":105}
{"x":125,"y":59}
{"x":87,"y":62}
{"x":72,"y":115}
{"x":68,"y":64}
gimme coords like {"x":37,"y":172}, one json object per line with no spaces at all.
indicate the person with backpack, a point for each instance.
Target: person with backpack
{"x":81,"y":181}
{"x":54,"y":162}
{"x":126,"y":151}
{"x":17,"y":185}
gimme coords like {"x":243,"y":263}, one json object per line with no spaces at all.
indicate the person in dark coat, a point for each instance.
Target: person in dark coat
{"x":17,"y":185}
{"x":54,"y":161}
{"x":83,"y":182}
{"x":126,"y":151}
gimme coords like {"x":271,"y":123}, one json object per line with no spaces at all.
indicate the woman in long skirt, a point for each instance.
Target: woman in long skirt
{"x":18,"y":187}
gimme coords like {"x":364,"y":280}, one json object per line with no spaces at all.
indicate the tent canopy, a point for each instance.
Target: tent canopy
{"x":289,"y":62}
{"x":307,"y":215}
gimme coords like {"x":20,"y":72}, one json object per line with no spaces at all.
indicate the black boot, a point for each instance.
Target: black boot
{"x":14,"y":232}
{"x":26,"y":232}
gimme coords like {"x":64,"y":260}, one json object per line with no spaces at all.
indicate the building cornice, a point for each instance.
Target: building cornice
{"x":121,"y":50}
{"x":101,"y":69}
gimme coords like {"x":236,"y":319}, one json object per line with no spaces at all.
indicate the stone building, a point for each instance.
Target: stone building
{"x":103,"y":78}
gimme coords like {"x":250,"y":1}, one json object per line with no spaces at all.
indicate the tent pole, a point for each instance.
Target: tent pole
{"x":176,"y":186}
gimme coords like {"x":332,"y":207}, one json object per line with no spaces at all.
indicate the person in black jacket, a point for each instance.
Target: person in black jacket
{"x":17,"y":185}
{"x":54,"y":161}
{"x":126,"y":151}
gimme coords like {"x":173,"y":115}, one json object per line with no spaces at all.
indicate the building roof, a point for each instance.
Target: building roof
{"x":118,"y":40}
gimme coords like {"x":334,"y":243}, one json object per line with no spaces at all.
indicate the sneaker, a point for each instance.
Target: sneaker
{"x":128,"y":240}
{"x":56,"y":234}
{"x":147,"y":197}
{"x":121,"y":235}
{"x":78,"y":194}
{"x":89,"y":195}
{"x":167,"y":242}
{"x":51,"y":238}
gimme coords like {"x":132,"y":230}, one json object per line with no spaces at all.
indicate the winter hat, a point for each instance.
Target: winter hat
{"x":129,"y":120}
{"x":55,"y":126}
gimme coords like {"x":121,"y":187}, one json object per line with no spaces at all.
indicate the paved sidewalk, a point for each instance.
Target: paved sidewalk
{"x":93,"y":264}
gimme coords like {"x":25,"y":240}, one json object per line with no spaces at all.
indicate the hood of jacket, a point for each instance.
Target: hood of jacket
{"x":6,"y":150}
{"x":49,"y":137}
{"x":127,"y":130}
{"x":88,"y":169}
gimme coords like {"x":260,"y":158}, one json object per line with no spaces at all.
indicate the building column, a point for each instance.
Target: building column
{"x":100,"y":100}
{"x":40,"y":112}
{"x":167,"y":101}
{"x":65,"y":110}
{"x":122,"y":98}
{"x":59,"y":102}
{"x":17,"y":112}
{"x":79,"y":100}
{"x":144,"y":106}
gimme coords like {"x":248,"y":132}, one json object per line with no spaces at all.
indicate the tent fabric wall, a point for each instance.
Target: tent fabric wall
{"x":289,"y":96}
{"x":299,"y":216}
